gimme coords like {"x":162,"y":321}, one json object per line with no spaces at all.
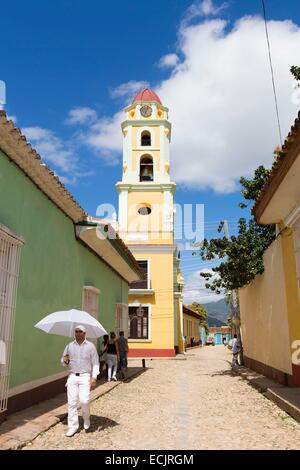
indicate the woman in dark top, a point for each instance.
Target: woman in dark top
{"x":103,"y":358}
{"x":112,"y":357}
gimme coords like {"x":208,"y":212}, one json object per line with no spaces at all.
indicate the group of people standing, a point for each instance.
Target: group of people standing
{"x":113,"y":357}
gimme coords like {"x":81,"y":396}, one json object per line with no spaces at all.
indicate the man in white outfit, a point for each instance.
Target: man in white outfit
{"x":236,"y":349}
{"x":82,"y":358}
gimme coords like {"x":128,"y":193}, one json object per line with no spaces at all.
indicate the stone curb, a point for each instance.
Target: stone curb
{"x":18,"y":430}
{"x":286,"y":398}
{"x":178,"y":357}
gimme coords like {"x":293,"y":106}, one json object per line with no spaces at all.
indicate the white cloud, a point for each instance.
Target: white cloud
{"x":74,"y":176}
{"x":51,"y":148}
{"x":200,"y":9}
{"x":81,"y":115}
{"x":129,"y":89}
{"x":195,"y":290}
{"x":169,"y":60}
{"x":57,"y":153}
{"x":105,"y":138}
{"x":104,"y":135}
{"x":221,"y":101}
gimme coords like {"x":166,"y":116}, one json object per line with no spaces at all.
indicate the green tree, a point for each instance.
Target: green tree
{"x":295,"y":72}
{"x":203,"y":314}
{"x":241,"y":255}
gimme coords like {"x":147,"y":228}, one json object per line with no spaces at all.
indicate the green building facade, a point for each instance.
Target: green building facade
{"x":59,"y":269}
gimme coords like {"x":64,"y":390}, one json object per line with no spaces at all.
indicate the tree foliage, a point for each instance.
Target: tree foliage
{"x":203,"y":314}
{"x":242,"y":254}
{"x":295,"y":70}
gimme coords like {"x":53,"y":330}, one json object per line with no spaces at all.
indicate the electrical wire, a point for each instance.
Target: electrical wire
{"x":272,"y":71}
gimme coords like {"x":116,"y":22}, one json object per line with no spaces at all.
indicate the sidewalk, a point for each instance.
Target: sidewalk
{"x":22,"y":427}
{"x":287,"y":398}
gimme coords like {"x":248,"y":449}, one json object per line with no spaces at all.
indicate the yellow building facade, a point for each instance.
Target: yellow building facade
{"x":270,"y":304}
{"x":146,"y":212}
{"x":191,"y":326}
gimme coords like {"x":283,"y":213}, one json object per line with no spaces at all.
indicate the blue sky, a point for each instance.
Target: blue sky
{"x":208,"y":62}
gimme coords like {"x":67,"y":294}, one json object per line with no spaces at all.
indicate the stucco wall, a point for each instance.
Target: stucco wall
{"x":264,"y":317}
{"x":152,"y":223}
{"x":54,"y":267}
{"x":192,"y":330}
{"x":161,"y":303}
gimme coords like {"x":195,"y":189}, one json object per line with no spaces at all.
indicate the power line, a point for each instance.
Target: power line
{"x":272,"y":72}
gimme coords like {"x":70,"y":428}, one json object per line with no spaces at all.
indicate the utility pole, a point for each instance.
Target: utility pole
{"x":223,"y":226}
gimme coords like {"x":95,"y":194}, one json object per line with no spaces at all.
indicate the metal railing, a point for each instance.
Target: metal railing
{"x":9,"y":266}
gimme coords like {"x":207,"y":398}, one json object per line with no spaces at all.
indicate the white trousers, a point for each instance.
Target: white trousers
{"x":78,"y":387}
{"x":112,"y":361}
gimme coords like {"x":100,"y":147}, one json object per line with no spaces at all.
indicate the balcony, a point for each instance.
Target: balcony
{"x":141,"y":288}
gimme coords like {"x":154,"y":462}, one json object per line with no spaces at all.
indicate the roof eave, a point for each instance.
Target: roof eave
{"x":110,"y":248}
{"x":290,"y":152}
{"x":15,"y":146}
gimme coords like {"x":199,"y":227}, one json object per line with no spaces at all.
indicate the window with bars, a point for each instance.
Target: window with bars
{"x":138,"y":322}
{"x":297,"y":251}
{"x":90,"y":301}
{"x":9,"y":267}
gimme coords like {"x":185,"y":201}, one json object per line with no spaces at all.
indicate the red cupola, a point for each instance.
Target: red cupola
{"x":146,"y":95}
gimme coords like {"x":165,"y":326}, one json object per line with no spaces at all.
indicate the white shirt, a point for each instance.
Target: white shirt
{"x":235,"y":346}
{"x":83,"y":358}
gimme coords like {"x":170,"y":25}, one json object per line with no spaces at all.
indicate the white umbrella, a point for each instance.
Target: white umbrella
{"x":64,"y":323}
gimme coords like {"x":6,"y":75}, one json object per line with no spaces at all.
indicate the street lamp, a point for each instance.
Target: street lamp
{"x":140,"y":311}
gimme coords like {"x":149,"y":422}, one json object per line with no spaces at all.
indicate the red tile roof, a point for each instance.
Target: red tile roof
{"x":281,"y":166}
{"x":14,"y":144}
{"x":188,"y":311}
{"x":146,"y":95}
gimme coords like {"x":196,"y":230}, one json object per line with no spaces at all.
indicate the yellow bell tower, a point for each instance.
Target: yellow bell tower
{"x":146,"y":212}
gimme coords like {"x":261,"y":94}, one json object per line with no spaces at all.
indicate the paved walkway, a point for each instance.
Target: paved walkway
{"x":194,"y":404}
{"x":22,"y":427}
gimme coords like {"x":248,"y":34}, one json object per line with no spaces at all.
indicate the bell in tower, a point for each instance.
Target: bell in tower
{"x":146,"y":168}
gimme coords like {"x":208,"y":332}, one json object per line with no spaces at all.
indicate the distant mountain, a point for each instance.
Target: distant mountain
{"x":217,"y":311}
{"x":214,"y":322}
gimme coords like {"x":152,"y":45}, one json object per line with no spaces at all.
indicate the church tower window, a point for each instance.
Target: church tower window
{"x":146,"y":168}
{"x":145,"y":139}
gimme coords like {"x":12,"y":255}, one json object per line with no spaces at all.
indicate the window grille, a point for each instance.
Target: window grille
{"x":138,"y":324}
{"x":9,"y":267}
{"x":90,"y":303}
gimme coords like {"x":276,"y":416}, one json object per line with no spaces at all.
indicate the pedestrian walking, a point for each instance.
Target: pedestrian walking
{"x":103,"y":357}
{"x":236,"y":348}
{"x":82,"y":358}
{"x":184,"y":343}
{"x":122,"y":343}
{"x":112,"y":357}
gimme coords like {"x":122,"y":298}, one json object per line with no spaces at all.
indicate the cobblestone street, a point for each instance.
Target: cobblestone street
{"x":178,"y":404}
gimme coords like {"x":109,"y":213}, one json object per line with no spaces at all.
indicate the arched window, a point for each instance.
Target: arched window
{"x":145,"y":138}
{"x":146,"y":168}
